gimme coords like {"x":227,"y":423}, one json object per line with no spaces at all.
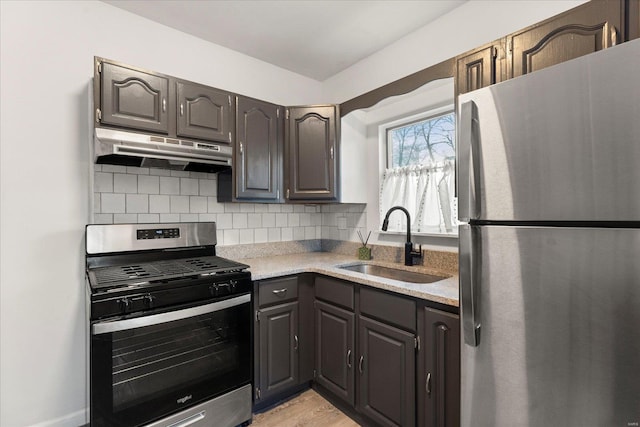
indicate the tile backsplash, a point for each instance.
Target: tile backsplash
{"x":136,"y":195}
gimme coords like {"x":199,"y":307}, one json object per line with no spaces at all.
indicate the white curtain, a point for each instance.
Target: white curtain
{"x":426,"y":191}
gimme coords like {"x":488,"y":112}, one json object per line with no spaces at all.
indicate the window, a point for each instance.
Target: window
{"x":420,"y":174}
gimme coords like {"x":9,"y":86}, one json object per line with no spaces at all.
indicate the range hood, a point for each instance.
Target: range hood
{"x":118,"y":147}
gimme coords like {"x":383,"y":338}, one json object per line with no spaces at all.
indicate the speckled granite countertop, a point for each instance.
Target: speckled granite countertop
{"x":444,"y":291}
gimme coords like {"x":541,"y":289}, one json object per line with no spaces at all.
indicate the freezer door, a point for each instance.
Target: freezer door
{"x":560,"y":144}
{"x":557,"y":317}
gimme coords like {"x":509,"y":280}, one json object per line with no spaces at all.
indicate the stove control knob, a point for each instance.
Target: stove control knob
{"x":225,"y":288}
{"x":148,"y":300}
{"x":213,"y":289}
{"x":124,"y":303}
{"x":233,"y":284}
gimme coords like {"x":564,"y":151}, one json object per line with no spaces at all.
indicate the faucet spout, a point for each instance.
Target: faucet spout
{"x":409,"y":254}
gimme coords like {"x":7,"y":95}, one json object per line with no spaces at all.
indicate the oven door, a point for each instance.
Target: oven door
{"x":147,"y":367}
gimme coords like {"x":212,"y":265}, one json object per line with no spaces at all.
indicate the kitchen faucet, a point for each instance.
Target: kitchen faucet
{"x":410,"y":256}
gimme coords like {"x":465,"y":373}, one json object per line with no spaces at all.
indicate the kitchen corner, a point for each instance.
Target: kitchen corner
{"x":288,"y":258}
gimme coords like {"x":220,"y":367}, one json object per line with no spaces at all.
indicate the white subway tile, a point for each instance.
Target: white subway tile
{"x":298,"y":233}
{"x":268,"y":220}
{"x":180,"y":174}
{"x":159,"y":204}
{"x":310,"y":209}
{"x":305,"y":219}
{"x":231,"y":237}
{"x":148,"y":184}
{"x":274,"y":207}
{"x":342,"y":223}
{"x":147,"y":218}
{"x":220,"y":237}
{"x":318,"y":232}
{"x":261,"y":207}
{"x":189,"y":187}
{"x":254,"y":220}
{"x":224,"y":221}
{"x":198,"y":204}
{"x":96,"y":203}
{"x":287,"y":234}
{"x":298,"y":208}
{"x":207,"y":187}
{"x":261,"y":235}
{"x":103,"y":219}
{"x":294,"y":219}
{"x":125,"y":183}
{"x":207,"y":217}
{"x":199,"y":175}
{"x":137,"y":171}
{"x":169,"y":217}
{"x":281,"y":220}
{"x":274,"y":235}
{"x":125,"y":218}
{"x":112,"y":203}
{"x":287,"y":208}
{"x":213,"y":206}
{"x":239,"y":220}
{"x":232,"y":207}
{"x":309,"y":233}
{"x":103,"y":182}
{"x":159,"y":172}
{"x":169,"y":185}
{"x":179,"y":204}
{"x":114,"y":168}
{"x":247,"y":207}
{"x":316,"y":219}
{"x":246,"y":236}
{"x":188,"y":217}
{"x":97,"y":168}
{"x":137,"y":203}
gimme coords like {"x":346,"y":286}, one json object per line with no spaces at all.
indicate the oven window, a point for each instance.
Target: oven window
{"x":167,"y":367}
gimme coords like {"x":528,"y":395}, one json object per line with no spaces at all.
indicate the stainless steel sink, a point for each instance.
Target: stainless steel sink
{"x":393,"y":273}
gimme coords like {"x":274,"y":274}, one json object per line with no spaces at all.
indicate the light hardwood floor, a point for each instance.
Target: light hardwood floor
{"x":308,"y":409}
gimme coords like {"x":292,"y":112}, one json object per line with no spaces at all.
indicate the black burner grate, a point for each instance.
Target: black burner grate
{"x":157,"y":270}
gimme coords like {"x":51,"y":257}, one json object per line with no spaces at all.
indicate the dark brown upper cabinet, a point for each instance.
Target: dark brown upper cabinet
{"x":137,"y":99}
{"x":311,"y":153}
{"x":204,"y":112}
{"x":590,"y":27}
{"x":438,"y":368}
{"x":133,"y":99}
{"x":478,"y":68}
{"x":258,"y":150}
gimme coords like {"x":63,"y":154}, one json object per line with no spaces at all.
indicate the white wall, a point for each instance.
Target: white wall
{"x":46,"y":66}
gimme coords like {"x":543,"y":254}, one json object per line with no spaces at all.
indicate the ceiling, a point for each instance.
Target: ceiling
{"x":317,"y":39}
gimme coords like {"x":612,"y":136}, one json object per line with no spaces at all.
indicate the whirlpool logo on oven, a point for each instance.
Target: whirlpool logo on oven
{"x":185,"y":399}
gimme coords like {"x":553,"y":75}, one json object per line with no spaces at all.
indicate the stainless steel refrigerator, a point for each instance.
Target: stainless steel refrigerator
{"x":549,"y":191}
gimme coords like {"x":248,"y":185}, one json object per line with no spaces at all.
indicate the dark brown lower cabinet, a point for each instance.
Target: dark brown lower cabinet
{"x":438,"y":368}
{"x":386,"y":373}
{"x":335,"y":350}
{"x":278,"y":349}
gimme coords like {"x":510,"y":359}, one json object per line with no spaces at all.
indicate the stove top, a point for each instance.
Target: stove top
{"x":147,"y":272}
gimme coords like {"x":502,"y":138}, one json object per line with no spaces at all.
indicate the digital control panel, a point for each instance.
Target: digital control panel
{"x":158,"y":233}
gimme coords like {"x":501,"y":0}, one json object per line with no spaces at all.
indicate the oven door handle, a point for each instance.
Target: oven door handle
{"x":155,"y":319}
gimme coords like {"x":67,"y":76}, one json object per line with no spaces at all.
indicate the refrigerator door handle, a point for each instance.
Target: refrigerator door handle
{"x":469,"y":263}
{"x":467,"y":164}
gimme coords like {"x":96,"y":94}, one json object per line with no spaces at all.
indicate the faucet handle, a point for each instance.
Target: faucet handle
{"x":416,"y":255}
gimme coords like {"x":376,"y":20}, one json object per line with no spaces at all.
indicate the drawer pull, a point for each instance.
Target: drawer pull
{"x":279,"y":291}
{"x":360,"y":364}
{"x":349,"y":359}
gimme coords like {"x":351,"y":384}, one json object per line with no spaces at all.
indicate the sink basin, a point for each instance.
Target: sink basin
{"x":393,"y":273}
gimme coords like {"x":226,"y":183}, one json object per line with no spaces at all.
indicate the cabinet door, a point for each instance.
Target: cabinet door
{"x":386,"y":372}
{"x":278,"y":330}
{"x":311,"y":153}
{"x":476,"y":69}
{"x":258,"y":146}
{"x":335,"y":350}
{"x":134,"y":99}
{"x":585,"y":29}
{"x":204,"y":113}
{"x":439,"y":369}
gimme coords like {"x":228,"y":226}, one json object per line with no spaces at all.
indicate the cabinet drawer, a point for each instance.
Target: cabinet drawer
{"x":392,"y":309}
{"x":277,"y":290}
{"x":335,"y":291}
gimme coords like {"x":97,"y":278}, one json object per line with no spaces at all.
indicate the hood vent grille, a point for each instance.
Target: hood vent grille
{"x":134,"y":149}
